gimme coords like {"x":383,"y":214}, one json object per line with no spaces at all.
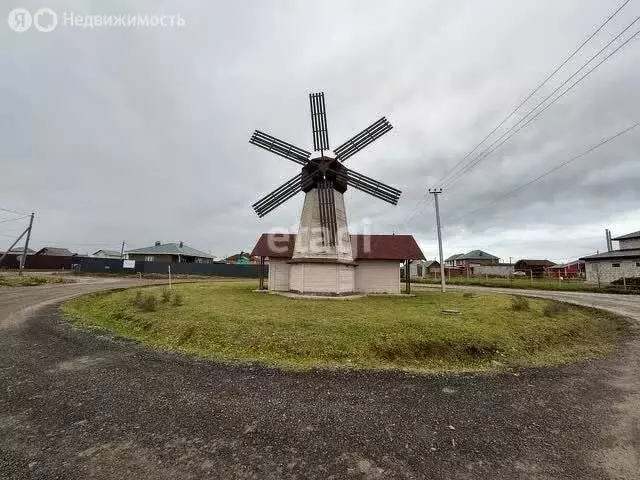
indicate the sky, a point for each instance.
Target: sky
{"x":139,"y":134}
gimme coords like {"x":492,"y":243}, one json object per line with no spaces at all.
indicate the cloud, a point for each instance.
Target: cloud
{"x":141,"y":134}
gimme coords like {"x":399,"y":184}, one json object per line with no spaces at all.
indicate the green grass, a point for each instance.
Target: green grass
{"x":568,"y":285}
{"x":227,"y":321}
{"x":29,"y":280}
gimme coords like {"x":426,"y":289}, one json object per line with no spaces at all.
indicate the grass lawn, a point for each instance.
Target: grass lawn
{"x":567,"y":285}
{"x":227,"y":321}
{"x":29,"y":280}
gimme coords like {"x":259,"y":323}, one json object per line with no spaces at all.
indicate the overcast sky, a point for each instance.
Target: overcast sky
{"x":141,"y":134}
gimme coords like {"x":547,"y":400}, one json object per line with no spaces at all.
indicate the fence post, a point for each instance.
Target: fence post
{"x":169,"y":277}
{"x":624,"y":282}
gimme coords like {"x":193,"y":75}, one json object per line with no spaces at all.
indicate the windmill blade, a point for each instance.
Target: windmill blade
{"x":327,"y":205}
{"x":364,"y":138}
{"x":319,"y":122}
{"x":370,"y":186}
{"x":280,"y":147}
{"x":280,"y":195}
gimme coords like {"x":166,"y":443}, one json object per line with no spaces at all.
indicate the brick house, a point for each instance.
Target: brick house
{"x":610,"y":266}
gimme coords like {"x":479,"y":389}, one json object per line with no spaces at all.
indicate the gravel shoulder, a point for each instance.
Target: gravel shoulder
{"x":76,"y":404}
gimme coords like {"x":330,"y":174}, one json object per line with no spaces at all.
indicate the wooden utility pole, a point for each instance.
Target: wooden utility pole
{"x":23,"y":259}
{"x":435,"y":192}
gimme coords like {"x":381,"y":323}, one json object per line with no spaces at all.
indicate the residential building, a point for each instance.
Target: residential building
{"x":630,"y":241}
{"x":423,"y":268}
{"x":106,"y":254}
{"x":574,"y":269}
{"x":452,"y":261}
{"x":169,"y":253}
{"x":54,"y":252}
{"x":18,"y":251}
{"x":470,"y":259}
{"x":242,"y":258}
{"x":610,"y":266}
{"x":536,"y":268}
{"x":376,"y":258}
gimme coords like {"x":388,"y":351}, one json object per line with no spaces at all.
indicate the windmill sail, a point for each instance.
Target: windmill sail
{"x":362,"y":139}
{"x":280,"y":147}
{"x":319,"y":122}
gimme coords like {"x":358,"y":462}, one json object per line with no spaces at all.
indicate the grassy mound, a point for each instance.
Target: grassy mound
{"x":227,"y":321}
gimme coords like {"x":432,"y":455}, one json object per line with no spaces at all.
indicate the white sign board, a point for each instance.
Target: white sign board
{"x":128,"y":264}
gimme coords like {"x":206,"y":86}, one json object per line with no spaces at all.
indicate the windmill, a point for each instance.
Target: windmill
{"x":325,"y":174}
{"x":322,"y":258}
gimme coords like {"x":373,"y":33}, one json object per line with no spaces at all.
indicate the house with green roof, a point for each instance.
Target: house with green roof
{"x":169,"y":253}
{"x":474,"y":257}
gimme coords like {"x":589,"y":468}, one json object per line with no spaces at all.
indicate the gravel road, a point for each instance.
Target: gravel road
{"x":74,"y":404}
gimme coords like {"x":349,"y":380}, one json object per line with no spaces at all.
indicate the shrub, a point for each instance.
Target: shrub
{"x":149,"y":303}
{"x":146,"y":303}
{"x":165,"y":296}
{"x":553,"y":309}
{"x":137,"y":299}
{"x":519,"y":304}
{"x":177,"y":300}
{"x":467,"y":294}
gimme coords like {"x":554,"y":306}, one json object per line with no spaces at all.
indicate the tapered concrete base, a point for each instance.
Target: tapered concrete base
{"x":317,"y":267}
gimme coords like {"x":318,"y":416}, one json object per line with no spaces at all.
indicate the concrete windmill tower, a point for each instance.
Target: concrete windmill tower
{"x":322,"y":258}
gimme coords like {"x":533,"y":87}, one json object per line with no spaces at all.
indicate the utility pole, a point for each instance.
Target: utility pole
{"x":122,"y":251}
{"x":11,"y":247}
{"x":435,"y":192}
{"x":23,"y":259}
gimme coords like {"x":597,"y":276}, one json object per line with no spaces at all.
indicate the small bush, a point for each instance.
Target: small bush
{"x":146,"y":303}
{"x":137,"y":299}
{"x":553,"y":309}
{"x":149,"y":303}
{"x":165,"y":296}
{"x":519,"y":304}
{"x":177,"y":300}
{"x":467,"y":295}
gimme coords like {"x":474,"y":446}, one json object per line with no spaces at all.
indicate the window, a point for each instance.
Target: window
{"x":616,"y":265}
{"x":149,"y":258}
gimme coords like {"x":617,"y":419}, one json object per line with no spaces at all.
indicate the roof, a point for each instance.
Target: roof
{"x":20,"y":250}
{"x":628,"y":236}
{"x":568,"y":264}
{"x":477,"y":254}
{"x":238,"y":256}
{"x":454,"y":257}
{"x":430,"y":263}
{"x":365,"y":247}
{"x":543,"y":263}
{"x":615,"y":254}
{"x":111,"y":253}
{"x":55,"y":252}
{"x":170,"y":249}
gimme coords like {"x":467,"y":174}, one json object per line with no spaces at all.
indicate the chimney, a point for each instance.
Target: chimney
{"x":181,"y":244}
{"x":609,"y":242}
{"x":158,"y":243}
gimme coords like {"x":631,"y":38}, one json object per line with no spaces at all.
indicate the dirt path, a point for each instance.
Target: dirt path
{"x":79,"y":405}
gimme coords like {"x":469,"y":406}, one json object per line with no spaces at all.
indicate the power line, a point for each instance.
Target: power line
{"x":517,"y":127}
{"x":13,"y":211}
{"x":549,"y":172}
{"x":14,"y":219}
{"x":535,"y":90}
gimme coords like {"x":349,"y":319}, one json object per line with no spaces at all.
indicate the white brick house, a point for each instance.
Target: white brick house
{"x":610,"y":266}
